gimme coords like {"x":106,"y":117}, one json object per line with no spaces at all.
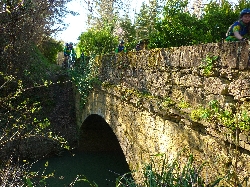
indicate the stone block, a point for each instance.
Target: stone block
{"x":215,"y":85}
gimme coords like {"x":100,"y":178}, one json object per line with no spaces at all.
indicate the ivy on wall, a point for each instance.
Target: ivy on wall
{"x":208,"y":64}
{"x":84,"y":76}
{"x":231,"y":116}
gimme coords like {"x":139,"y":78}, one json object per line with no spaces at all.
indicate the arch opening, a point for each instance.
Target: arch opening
{"x":96,"y":135}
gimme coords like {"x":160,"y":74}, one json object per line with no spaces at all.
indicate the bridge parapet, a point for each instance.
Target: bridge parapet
{"x":177,"y":72}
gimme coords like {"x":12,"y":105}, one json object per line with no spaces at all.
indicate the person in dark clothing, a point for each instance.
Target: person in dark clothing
{"x":69,"y":52}
{"x":139,"y":46}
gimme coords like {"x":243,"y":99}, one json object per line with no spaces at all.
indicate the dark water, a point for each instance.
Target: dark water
{"x":98,"y":157}
{"x":101,"y":167}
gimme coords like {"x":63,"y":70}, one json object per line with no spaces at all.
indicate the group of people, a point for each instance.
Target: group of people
{"x":69,"y":52}
{"x":122,"y":48}
{"x":238,"y":31}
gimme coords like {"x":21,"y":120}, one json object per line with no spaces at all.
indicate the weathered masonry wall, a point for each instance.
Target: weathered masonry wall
{"x":142,"y":98}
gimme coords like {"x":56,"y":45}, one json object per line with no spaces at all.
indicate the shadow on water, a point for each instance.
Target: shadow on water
{"x":101,"y":167}
{"x":99,"y":158}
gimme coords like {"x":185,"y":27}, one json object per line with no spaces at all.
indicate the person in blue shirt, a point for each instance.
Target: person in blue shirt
{"x":121,"y":47}
{"x":239,"y":30}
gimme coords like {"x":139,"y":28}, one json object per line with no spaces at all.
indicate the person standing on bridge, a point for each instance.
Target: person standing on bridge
{"x":68,"y":50}
{"x":121,"y":47}
{"x":239,"y":30}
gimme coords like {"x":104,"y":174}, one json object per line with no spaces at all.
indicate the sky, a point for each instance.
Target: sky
{"x":77,"y":24}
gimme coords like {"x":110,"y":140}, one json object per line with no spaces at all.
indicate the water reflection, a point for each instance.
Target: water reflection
{"x":101,"y":167}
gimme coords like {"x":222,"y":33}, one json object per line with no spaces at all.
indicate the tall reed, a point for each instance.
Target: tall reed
{"x":171,"y":174}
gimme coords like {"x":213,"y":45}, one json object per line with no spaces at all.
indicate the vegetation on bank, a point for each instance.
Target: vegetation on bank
{"x":173,"y":173}
{"x":27,"y":55}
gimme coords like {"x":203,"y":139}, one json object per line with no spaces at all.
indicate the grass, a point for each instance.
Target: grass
{"x":171,"y":174}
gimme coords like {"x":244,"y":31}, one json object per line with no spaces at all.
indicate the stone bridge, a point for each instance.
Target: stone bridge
{"x":149,"y":101}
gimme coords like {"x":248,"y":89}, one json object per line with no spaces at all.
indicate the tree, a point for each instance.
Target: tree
{"x":146,"y":19}
{"x":141,"y":22}
{"x":176,"y":27}
{"x":25,"y":23}
{"x":128,"y":33}
{"x":113,"y":13}
{"x":106,"y":11}
{"x":96,"y":42}
{"x":50,"y":48}
{"x":217,"y":18}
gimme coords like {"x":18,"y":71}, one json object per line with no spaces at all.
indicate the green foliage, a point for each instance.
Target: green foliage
{"x":23,"y":24}
{"x":208,"y":64}
{"x":97,"y":42}
{"x":50,"y":48}
{"x":142,"y":23}
{"x":129,"y":33}
{"x":217,"y":18}
{"x":37,"y":178}
{"x":146,"y":19}
{"x":166,"y":25}
{"x":22,"y":120}
{"x":84,"y":77}
{"x":167,"y":102}
{"x":177,"y":27}
{"x":229,"y":117}
{"x":33,"y":67}
{"x":23,"y":73}
{"x":38,"y":68}
{"x":198,"y":114}
{"x":170,"y":174}
{"x":21,"y":114}
{"x":183,"y":104}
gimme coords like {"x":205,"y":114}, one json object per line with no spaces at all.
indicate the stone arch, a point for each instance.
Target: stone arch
{"x":95,"y":134}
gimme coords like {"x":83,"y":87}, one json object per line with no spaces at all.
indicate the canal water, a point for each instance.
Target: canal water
{"x":98,"y":157}
{"x":101,"y":167}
